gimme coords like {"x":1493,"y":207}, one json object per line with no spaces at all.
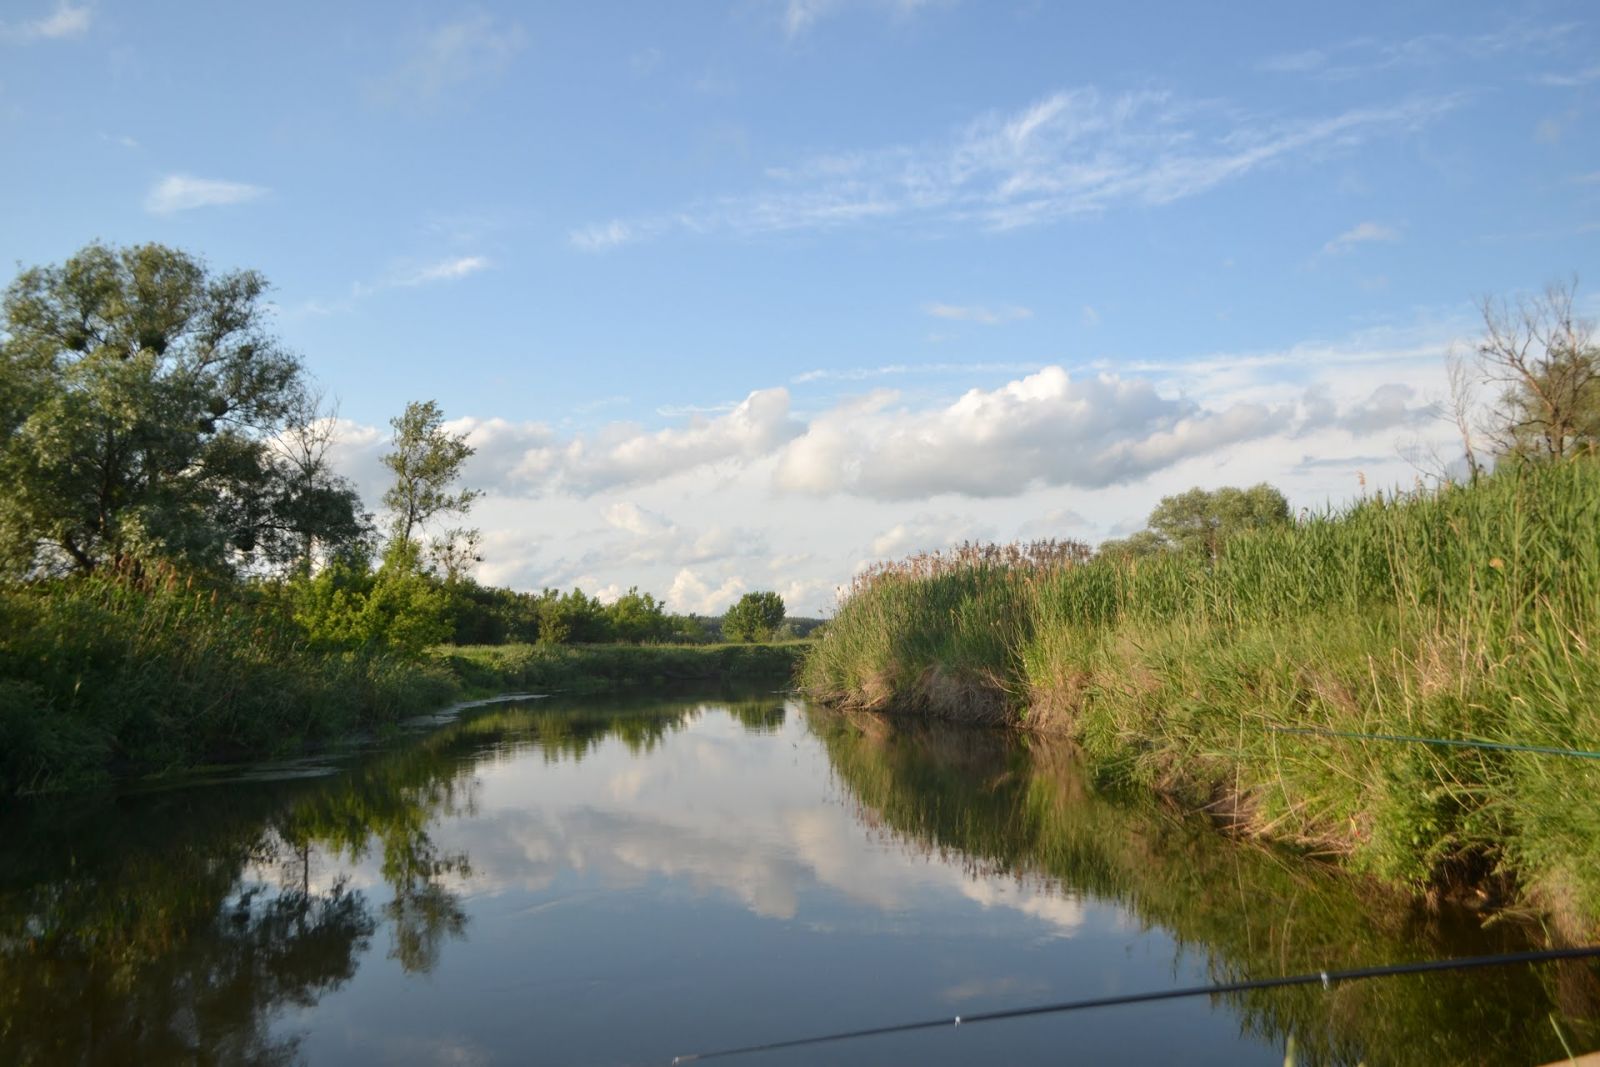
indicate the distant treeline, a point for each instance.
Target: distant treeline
{"x":490,"y":615}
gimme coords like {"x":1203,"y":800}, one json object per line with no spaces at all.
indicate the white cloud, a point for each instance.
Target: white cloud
{"x":1570,"y":81}
{"x":1365,"y":56}
{"x":603,"y":236}
{"x":1361,"y":233}
{"x":528,"y":457}
{"x":66,"y":20}
{"x":1058,"y":523}
{"x":799,"y":16}
{"x":690,"y":594}
{"x":183,"y":192}
{"x":983,"y":315}
{"x":444,"y":270}
{"x":1074,"y":153}
{"x":858,"y":374}
{"x":474,"y":47}
{"x":774,"y":499}
{"x":928,"y":532}
{"x":1045,"y":429}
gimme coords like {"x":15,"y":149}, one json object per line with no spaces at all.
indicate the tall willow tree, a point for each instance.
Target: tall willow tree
{"x":426,"y":462}
{"x":141,"y":397}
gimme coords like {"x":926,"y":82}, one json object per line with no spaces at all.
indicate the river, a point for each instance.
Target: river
{"x":627,"y":879}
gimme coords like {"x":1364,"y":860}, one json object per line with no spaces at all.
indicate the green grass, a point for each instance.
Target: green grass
{"x":485,"y":669}
{"x":1470,"y":612}
{"x":102,"y":678}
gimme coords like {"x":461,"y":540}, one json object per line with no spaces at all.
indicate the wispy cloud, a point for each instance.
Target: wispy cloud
{"x":443,"y":271}
{"x":64,"y":21}
{"x":1360,"y":234}
{"x":799,"y":16}
{"x":603,"y":236}
{"x":408,"y":276}
{"x":183,"y":192}
{"x":449,"y":56}
{"x":1073,"y":153}
{"x":1365,"y":56}
{"x":974,"y":313}
{"x":861,"y":374}
{"x":1570,"y":81}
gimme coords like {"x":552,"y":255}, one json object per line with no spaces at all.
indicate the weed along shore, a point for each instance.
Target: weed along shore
{"x":1297,"y":681}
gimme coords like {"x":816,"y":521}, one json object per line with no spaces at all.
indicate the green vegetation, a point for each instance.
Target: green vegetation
{"x":756,"y":617}
{"x":486,"y":669}
{"x":1466,"y":612}
{"x":1199,"y":521}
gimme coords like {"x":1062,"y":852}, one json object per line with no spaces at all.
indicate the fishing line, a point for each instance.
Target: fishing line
{"x":1327,"y":979}
{"x":1542,"y":750}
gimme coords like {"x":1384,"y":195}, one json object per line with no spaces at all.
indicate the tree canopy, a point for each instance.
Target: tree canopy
{"x":426,"y":460}
{"x":756,"y":617}
{"x":141,"y":400}
{"x":1200,"y":520}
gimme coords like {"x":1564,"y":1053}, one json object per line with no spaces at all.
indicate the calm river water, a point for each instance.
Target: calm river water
{"x":609,"y":881}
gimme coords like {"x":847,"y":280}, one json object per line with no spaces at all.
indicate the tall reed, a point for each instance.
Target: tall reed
{"x":1462,"y":612}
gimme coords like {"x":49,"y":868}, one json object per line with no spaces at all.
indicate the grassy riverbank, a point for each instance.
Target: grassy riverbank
{"x":487,"y":669}
{"x":1471,"y":612}
{"x":105,"y":678}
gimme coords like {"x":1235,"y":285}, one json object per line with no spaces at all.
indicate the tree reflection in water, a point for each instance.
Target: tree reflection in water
{"x":177,"y":926}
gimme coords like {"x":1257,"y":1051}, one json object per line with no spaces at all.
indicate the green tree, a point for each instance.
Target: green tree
{"x":426,"y":460}
{"x":637,"y":617}
{"x":756,"y":617}
{"x":1136,"y":545}
{"x":140,"y":396}
{"x":1199,"y":521}
{"x":572,"y":618}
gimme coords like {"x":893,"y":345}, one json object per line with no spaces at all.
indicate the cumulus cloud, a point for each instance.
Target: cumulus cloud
{"x":1044,"y":429}
{"x":1076,"y":152}
{"x":1362,"y":233}
{"x":928,"y":532}
{"x":183,"y":192}
{"x":64,"y":21}
{"x":690,"y":594}
{"x":528,"y":457}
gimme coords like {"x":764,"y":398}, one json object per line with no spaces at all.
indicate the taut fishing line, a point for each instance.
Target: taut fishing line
{"x":1327,"y":979}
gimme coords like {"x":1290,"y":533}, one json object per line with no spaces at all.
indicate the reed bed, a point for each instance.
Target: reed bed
{"x":1465,"y":612}
{"x":106,"y":676}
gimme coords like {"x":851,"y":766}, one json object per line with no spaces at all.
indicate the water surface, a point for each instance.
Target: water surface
{"x":623,"y":880}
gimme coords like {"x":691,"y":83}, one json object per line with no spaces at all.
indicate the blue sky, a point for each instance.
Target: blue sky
{"x":740,"y":295}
